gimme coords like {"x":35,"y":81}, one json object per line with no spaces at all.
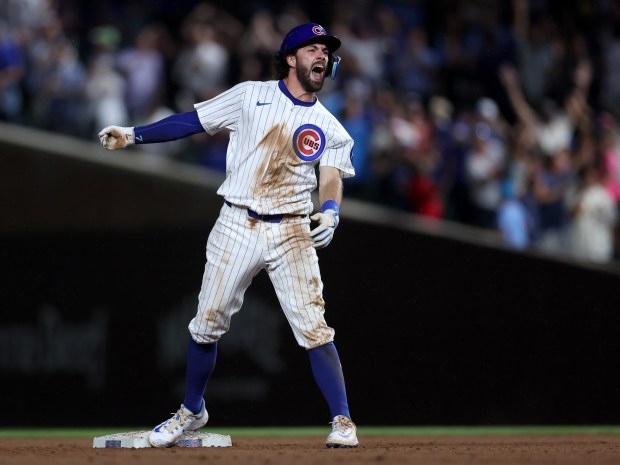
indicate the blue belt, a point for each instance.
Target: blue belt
{"x":267,"y":218}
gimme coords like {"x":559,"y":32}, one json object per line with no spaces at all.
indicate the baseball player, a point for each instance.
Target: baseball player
{"x":279,"y":132}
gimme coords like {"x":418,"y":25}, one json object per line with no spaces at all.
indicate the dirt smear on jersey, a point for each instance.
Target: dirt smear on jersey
{"x":445,"y":450}
{"x":276,"y":173}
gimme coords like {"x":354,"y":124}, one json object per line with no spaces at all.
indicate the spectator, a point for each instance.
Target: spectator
{"x":383,"y":147}
{"x":256,"y":47}
{"x":424,"y":195}
{"x":513,"y":219}
{"x":202,"y":67}
{"x":105,"y":91}
{"x":142,"y":65}
{"x":11,"y":75}
{"x":611,"y":161}
{"x":594,"y":217}
{"x":105,"y":86}
{"x":365,"y":47}
{"x":416,"y":66}
{"x":610,"y":85}
{"x":64,"y":89}
{"x":411,"y":131}
{"x":457,"y":45}
{"x":451,"y":134}
{"x":551,"y":186}
{"x":535,"y":51}
{"x":40,"y":46}
{"x":484,"y":165}
{"x":611,"y":155}
{"x":549,"y":128}
{"x":392,"y":29}
{"x":356,"y":121}
{"x":423,"y":189}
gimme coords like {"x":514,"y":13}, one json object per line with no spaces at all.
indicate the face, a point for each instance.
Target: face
{"x":310,"y":65}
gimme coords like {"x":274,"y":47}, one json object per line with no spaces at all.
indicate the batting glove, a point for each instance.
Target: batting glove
{"x":116,"y":137}
{"x":328,"y":220}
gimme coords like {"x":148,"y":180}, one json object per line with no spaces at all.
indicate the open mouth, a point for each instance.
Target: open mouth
{"x":317,"y":71}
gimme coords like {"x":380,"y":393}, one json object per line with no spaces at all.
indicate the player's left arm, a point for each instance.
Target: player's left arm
{"x":330,"y":197}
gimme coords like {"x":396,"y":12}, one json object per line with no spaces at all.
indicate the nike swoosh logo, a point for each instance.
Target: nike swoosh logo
{"x":260,"y":104}
{"x":139,"y":138}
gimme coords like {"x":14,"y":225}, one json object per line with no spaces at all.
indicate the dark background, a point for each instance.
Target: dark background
{"x":431,"y":330}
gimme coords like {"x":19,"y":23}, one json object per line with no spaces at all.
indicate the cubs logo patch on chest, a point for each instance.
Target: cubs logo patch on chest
{"x":309,"y":142}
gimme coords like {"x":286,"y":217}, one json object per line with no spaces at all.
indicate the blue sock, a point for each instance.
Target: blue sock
{"x":200,"y":364}
{"x":328,"y":375}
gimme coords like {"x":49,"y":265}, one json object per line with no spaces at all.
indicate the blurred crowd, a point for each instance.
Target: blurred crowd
{"x":498,"y":114}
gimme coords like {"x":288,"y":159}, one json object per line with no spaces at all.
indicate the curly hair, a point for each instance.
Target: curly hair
{"x":280,"y":66}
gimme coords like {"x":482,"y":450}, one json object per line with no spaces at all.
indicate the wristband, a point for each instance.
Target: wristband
{"x":330,"y":205}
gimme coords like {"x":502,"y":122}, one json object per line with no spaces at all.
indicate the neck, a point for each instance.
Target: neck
{"x":297,"y":91}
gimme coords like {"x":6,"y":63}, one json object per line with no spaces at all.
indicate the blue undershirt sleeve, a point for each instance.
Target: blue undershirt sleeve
{"x":171,"y":128}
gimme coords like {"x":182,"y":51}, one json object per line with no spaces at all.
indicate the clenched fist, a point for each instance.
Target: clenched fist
{"x":322,"y":235}
{"x":116,"y":137}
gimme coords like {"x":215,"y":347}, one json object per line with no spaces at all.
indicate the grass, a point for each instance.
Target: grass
{"x":6,"y":433}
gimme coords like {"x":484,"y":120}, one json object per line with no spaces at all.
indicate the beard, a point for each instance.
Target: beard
{"x":303,"y":76}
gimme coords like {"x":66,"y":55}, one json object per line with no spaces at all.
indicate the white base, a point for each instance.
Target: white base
{"x":139,"y":440}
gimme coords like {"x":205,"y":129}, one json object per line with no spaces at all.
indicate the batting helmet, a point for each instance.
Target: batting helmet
{"x":306,"y":34}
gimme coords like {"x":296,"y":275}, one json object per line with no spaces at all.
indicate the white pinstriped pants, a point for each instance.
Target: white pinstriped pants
{"x":238,"y":248}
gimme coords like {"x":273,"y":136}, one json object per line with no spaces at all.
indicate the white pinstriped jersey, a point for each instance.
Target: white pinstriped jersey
{"x":275,"y":143}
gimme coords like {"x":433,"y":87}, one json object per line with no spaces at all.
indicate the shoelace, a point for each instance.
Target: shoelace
{"x":178,"y":420}
{"x":341,"y":425}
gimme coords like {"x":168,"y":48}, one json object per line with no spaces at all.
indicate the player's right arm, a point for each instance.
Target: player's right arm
{"x":171,"y":128}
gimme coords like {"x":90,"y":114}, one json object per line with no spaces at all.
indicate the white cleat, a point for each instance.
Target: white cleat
{"x":168,"y":433}
{"x":344,"y":433}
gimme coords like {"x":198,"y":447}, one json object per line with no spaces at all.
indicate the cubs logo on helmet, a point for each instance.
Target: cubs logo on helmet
{"x":309,"y":142}
{"x":318,"y":30}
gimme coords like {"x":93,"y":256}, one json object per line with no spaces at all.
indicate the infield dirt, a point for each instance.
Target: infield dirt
{"x":444,"y":450}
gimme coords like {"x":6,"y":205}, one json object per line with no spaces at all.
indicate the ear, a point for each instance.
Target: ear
{"x":291,"y":60}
